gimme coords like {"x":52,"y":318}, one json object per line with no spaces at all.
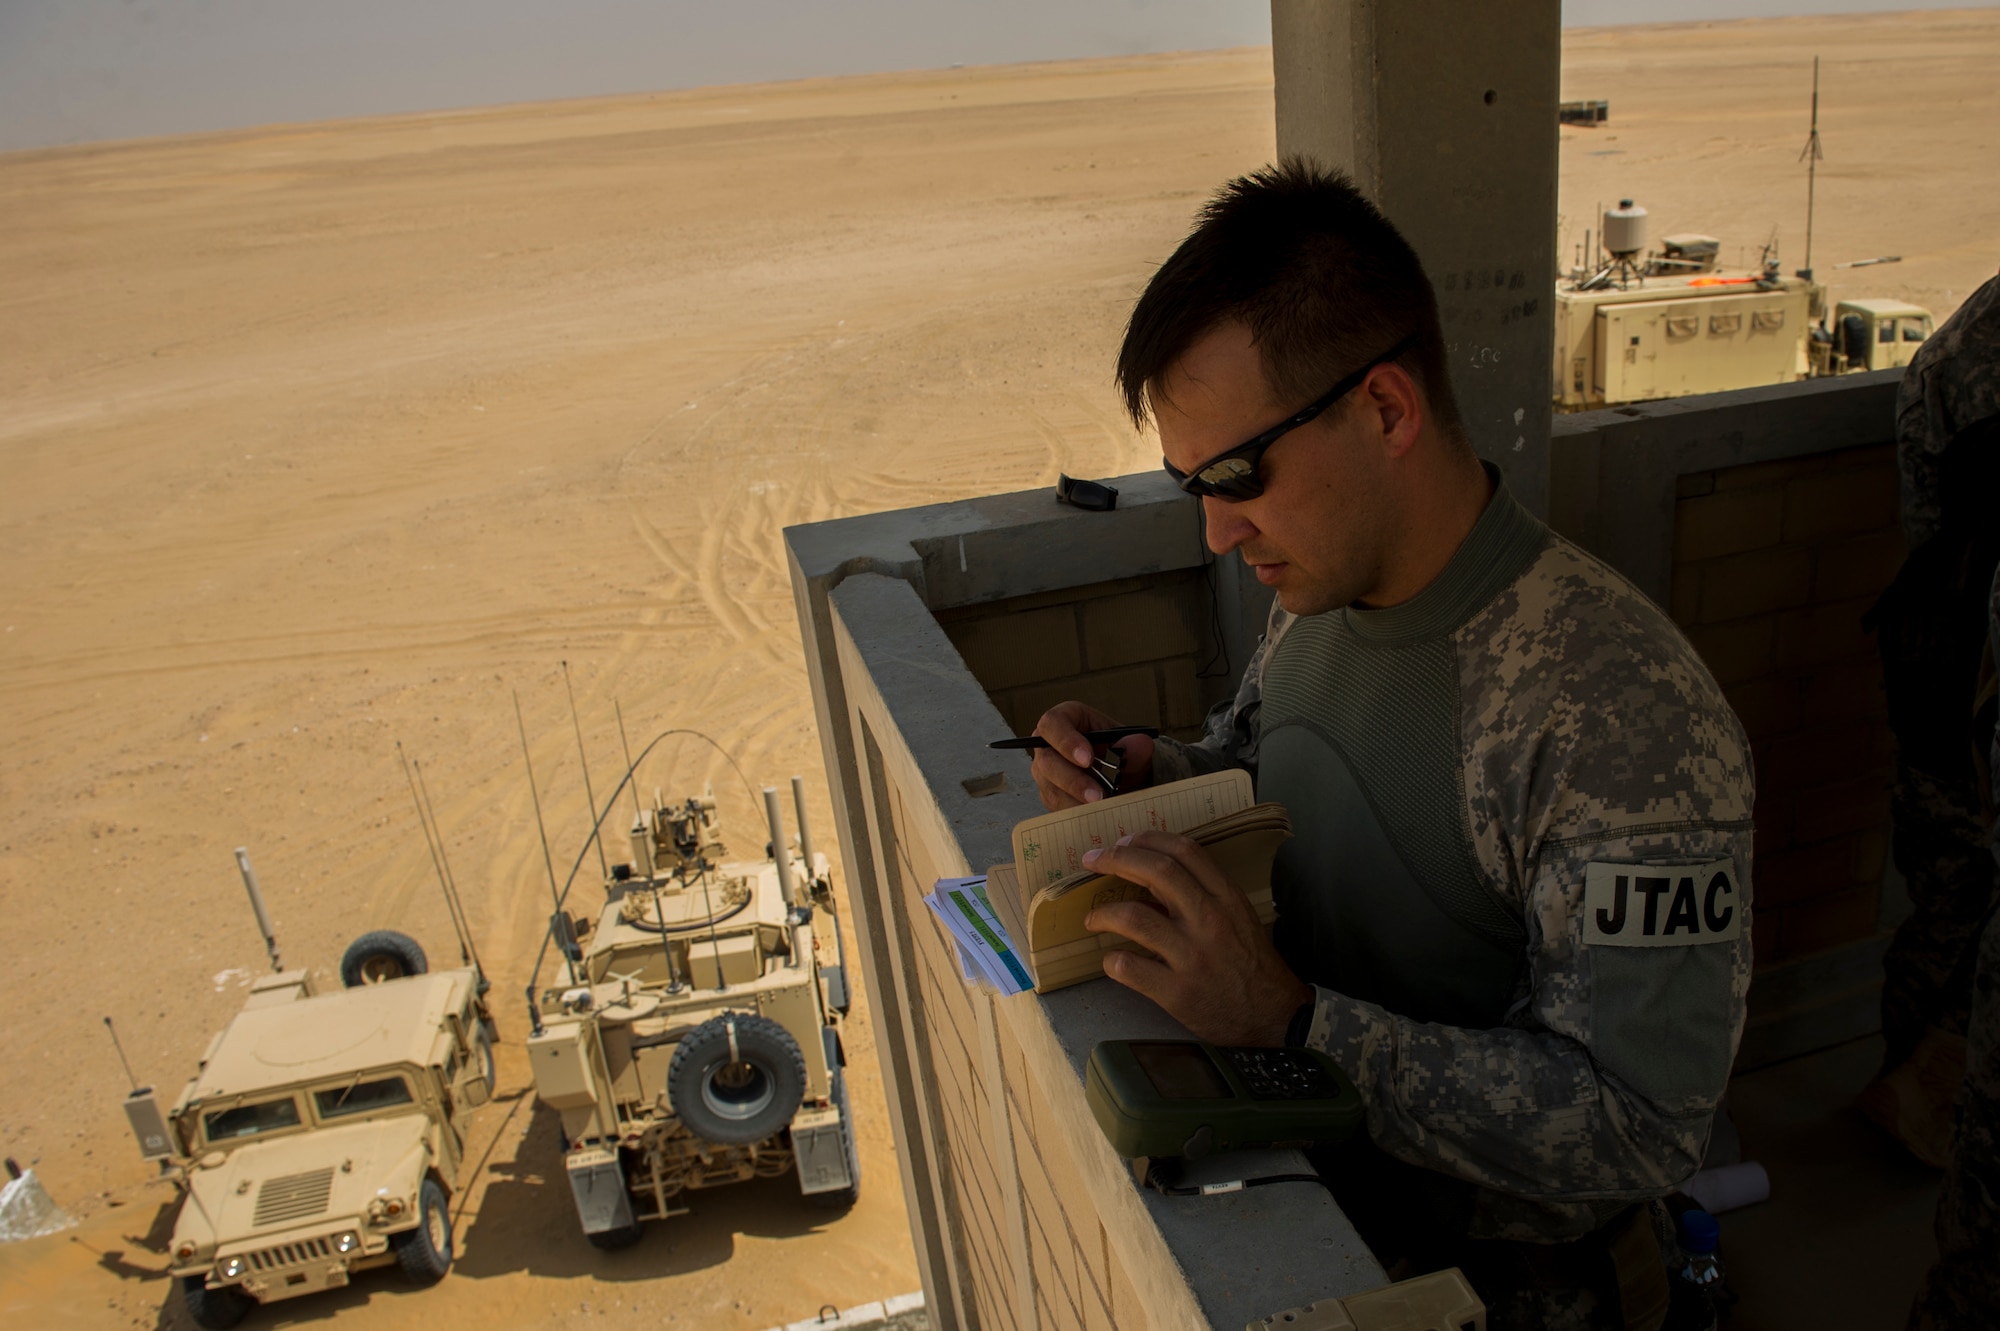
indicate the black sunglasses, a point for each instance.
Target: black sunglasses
{"x":1234,"y":474}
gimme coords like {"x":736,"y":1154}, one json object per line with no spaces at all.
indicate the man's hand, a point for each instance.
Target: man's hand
{"x":1218,"y":972}
{"x":1062,"y":771}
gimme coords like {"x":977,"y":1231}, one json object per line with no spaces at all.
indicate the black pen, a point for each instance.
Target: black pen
{"x":1096,"y":737}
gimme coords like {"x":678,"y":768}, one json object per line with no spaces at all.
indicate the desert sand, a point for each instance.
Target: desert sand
{"x":320,"y":438}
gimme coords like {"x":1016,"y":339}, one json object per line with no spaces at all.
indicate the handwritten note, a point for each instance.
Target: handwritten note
{"x":1051,"y":847}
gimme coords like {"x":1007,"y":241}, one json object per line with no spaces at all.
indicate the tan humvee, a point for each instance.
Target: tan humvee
{"x":323,"y":1133}
{"x":690,"y":1039}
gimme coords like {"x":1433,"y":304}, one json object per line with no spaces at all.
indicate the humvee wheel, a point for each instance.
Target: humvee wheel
{"x":215,"y":1309}
{"x":425,"y":1253}
{"x":381,"y":955}
{"x":737,"y":1079}
{"x":611,"y":1240}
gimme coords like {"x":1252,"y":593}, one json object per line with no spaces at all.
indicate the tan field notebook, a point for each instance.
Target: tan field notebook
{"x":1043,"y":896}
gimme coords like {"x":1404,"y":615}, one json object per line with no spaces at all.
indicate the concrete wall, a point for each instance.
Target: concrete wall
{"x":1444,"y":113}
{"x":1766,"y":522}
{"x":1147,"y":650}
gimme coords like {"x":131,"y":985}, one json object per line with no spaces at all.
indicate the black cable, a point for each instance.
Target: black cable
{"x":1157,"y":1180}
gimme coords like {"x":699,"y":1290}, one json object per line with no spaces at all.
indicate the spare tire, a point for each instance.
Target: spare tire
{"x":737,"y":1079}
{"x":380,"y":956}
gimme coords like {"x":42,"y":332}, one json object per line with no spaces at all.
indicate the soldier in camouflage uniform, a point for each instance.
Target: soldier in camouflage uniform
{"x":1932,"y":625}
{"x":1963,"y":1290}
{"x":1516,"y":907}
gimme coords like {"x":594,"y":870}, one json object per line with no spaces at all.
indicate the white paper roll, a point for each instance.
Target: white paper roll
{"x":1729,"y":1187}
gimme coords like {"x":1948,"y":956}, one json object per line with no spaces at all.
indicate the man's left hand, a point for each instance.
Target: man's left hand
{"x":1217,"y":973}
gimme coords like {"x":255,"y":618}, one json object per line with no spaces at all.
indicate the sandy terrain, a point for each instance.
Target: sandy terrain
{"x":324,"y":437}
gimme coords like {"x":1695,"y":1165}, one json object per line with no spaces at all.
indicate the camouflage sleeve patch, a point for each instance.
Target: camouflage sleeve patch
{"x":1230,"y":731}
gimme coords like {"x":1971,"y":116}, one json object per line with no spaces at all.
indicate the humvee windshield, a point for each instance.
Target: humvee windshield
{"x":250,"y":1120}
{"x":360,"y":1097}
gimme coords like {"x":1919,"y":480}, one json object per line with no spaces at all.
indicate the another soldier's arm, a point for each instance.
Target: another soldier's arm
{"x":1605,"y":1081}
{"x":1229,"y":732}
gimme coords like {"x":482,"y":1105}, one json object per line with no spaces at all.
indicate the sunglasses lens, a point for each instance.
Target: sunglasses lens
{"x":1231,"y":478}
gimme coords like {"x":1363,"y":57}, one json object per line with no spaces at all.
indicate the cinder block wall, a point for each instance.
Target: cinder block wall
{"x":1077,"y":1281}
{"x":1774,"y":565}
{"x":1144,"y":649}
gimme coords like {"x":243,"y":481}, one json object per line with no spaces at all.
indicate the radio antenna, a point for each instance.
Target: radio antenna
{"x":437,"y":865}
{"x":457,"y":899}
{"x":257,"y":905}
{"x":596,"y":823}
{"x":638,"y":813}
{"x":555,"y":893}
{"x":119,"y":1045}
{"x":1812,"y":157}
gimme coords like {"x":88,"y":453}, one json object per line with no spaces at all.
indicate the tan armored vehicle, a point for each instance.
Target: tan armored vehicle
{"x":690,"y":1037}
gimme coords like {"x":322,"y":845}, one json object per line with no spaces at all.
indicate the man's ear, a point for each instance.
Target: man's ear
{"x":1395,"y":407}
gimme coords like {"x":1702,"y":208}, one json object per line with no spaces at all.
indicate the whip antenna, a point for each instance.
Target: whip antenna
{"x":1812,"y":157}
{"x":119,"y":1045}
{"x":437,"y":865}
{"x":596,"y":823}
{"x":555,"y":893}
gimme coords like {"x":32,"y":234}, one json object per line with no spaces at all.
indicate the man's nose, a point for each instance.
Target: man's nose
{"x":1224,"y":524}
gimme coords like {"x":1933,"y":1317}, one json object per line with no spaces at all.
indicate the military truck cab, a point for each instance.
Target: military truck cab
{"x":1870,"y":335}
{"x":323,"y":1133}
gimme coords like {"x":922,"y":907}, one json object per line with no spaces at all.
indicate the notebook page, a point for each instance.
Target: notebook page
{"x":1051,"y":847}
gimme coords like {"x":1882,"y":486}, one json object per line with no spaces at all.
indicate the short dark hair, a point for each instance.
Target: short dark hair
{"x":1322,"y":279}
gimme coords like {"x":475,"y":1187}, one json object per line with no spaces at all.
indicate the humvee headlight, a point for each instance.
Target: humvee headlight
{"x":347,"y":1242}
{"x":234,"y":1267}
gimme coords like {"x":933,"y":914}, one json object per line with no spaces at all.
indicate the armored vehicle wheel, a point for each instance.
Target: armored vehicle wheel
{"x":215,"y":1309}
{"x":425,"y":1252}
{"x":611,"y":1240}
{"x":736,"y":1079}
{"x":381,"y":955}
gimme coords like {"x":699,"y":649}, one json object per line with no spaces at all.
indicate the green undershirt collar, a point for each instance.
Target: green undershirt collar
{"x":1500,"y":546}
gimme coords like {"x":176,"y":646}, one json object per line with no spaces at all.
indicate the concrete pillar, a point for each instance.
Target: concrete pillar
{"x":1444,"y":113}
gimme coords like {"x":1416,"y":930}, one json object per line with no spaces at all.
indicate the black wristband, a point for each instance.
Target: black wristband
{"x":1301,"y":1024}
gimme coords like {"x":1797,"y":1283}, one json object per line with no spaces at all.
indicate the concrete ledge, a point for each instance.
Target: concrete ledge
{"x":1612,"y":472}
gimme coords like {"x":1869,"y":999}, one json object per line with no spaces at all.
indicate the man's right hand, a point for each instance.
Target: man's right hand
{"x":1062,"y":771}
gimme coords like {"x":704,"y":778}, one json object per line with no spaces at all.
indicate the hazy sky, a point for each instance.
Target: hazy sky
{"x":76,"y":70}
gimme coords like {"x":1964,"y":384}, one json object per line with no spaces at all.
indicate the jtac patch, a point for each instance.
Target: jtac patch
{"x":1661,"y":905}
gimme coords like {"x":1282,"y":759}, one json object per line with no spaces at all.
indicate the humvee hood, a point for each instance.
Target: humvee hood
{"x":308,"y":1178}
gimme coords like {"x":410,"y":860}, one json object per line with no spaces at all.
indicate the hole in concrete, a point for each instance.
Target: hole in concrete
{"x":1631,"y":411}
{"x":990,"y":784}
{"x":1491,"y":96}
